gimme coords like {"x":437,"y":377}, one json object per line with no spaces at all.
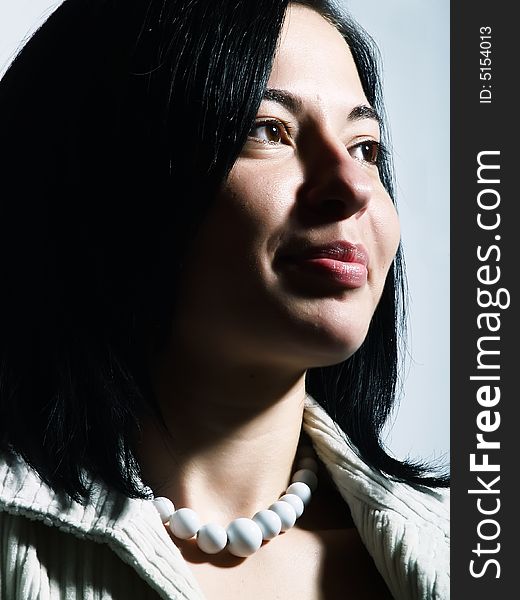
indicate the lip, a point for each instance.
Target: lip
{"x":340,"y":263}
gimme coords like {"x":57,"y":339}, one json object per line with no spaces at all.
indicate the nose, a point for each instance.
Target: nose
{"x":337,"y":186}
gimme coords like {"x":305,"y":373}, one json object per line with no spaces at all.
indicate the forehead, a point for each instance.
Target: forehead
{"x":314,"y":61}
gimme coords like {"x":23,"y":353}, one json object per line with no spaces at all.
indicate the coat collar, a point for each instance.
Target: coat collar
{"x":132,"y":528}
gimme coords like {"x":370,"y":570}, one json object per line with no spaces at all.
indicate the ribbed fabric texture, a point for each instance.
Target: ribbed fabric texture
{"x":405,"y":528}
{"x":131,"y":532}
{"x":44,"y":562}
{"x":116,"y":547}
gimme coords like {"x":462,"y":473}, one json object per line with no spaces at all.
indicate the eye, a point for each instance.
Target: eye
{"x":366,"y":151}
{"x":269,"y":132}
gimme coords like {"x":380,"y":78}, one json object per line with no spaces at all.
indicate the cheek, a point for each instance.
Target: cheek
{"x":384,"y":231}
{"x":254,"y":202}
{"x":389,"y":233}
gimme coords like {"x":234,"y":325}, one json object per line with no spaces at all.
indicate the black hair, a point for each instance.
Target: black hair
{"x":112,"y":115}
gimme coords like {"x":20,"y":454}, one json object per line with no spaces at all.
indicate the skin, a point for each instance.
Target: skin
{"x":253,"y":328}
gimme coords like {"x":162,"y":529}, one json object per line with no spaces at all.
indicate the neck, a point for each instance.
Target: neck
{"x":230,"y":436}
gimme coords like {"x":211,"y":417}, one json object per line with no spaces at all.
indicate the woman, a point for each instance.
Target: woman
{"x":205,"y":261}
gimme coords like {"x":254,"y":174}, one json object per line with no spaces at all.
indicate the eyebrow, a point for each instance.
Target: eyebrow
{"x":290,"y":101}
{"x":295,"y":105}
{"x":363,"y":111}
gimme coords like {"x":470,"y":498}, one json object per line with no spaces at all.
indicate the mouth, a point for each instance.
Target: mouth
{"x":342,"y":264}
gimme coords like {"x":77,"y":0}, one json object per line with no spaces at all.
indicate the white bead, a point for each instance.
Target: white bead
{"x":295,"y":501}
{"x":269,"y":523}
{"x":244,"y":537}
{"x":184,"y":523}
{"x":306,"y":476}
{"x":211,"y":538}
{"x":164,"y":507}
{"x":308,"y":463}
{"x":302,"y":490}
{"x":286,"y":513}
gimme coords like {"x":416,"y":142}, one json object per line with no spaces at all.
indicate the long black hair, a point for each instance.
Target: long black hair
{"x":120,"y":120}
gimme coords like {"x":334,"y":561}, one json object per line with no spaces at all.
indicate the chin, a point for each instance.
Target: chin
{"x":332,"y":350}
{"x":327,"y":359}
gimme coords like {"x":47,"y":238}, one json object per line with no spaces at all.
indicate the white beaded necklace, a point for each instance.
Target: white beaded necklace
{"x":243,"y":536}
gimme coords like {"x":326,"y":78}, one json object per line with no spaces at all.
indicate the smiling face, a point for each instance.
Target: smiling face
{"x":290,"y":263}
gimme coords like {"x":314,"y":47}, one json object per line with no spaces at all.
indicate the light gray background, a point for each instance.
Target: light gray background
{"x":414,"y":39}
{"x":413,"y":36}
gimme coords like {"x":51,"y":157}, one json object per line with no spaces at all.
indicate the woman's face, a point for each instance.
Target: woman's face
{"x":291,"y":261}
